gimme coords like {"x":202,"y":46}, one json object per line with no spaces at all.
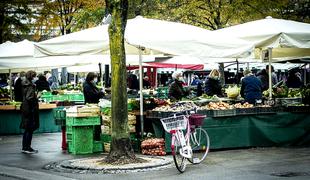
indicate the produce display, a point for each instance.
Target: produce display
{"x":153,"y":146}
{"x":305,"y":93}
{"x":232,"y":91}
{"x":4,"y":94}
{"x":217,"y":106}
{"x":245,"y":105}
{"x":107,"y":122}
{"x":177,"y":107}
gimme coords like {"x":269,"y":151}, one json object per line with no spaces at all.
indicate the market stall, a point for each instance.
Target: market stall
{"x":237,"y":125}
{"x":10,"y":118}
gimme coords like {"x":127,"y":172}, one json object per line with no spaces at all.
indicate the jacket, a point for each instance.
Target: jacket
{"x":213,"y":87}
{"x":42,"y":85}
{"x":251,"y":89}
{"x":91,"y":93}
{"x":29,"y":107}
{"x":176,"y":90}
{"x":18,"y":90}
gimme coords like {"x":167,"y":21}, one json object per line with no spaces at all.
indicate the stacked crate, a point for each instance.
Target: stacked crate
{"x":106,"y":131}
{"x":80,"y":122}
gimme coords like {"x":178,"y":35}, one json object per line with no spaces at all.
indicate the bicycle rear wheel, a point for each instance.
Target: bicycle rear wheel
{"x":178,"y":159}
{"x":200,"y":143}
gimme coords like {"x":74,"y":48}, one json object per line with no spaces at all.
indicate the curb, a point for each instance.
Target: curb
{"x":90,"y":165}
{"x":24,"y":174}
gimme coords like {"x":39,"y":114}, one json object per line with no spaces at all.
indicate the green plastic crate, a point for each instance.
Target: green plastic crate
{"x":83,"y":121}
{"x":82,"y":140}
{"x":69,"y":136}
{"x":136,"y":145}
{"x":105,"y":138}
{"x":60,"y":116}
{"x":97,"y":146}
{"x":47,"y":93}
{"x":47,"y":98}
{"x":76,"y":97}
{"x":69,"y":129}
{"x":60,"y":97}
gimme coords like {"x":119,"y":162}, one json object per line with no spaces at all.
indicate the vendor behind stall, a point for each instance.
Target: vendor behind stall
{"x":92,"y":95}
{"x":42,"y":83}
{"x":90,"y":91}
{"x":251,"y":88}
{"x":176,"y":89}
{"x":213,"y":84}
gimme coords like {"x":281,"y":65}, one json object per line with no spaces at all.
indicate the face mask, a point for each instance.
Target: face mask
{"x":180,"y":79}
{"x":95,"y":80}
{"x":23,"y":78}
{"x":34,"y":79}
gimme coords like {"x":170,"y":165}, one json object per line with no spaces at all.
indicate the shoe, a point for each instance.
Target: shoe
{"x":30,"y":151}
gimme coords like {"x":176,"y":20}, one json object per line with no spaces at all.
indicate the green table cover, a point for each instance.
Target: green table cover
{"x":10,"y":121}
{"x":278,"y":129}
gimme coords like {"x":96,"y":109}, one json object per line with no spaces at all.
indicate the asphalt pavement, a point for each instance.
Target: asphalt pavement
{"x":252,"y":163}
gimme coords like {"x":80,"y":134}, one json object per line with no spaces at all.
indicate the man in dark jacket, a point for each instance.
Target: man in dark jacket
{"x":90,"y":91}
{"x":251,"y":88}
{"x":30,"y":112}
{"x":18,"y":91}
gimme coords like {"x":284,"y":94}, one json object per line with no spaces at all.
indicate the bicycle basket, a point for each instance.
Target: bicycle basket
{"x":174,"y":123}
{"x":196,"y":119}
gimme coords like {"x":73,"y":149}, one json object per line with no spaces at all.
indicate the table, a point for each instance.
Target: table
{"x":277,"y":129}
{"x":10,"y":120}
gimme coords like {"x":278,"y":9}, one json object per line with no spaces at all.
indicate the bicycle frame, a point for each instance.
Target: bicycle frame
{"x":186,"y":149}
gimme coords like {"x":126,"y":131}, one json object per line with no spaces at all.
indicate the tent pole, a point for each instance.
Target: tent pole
{"x":269,"y":72}
{"x":237,"y":80}
{"x":305,"y":75}
{"x":141,"y":88}
{"x":10,"y":83}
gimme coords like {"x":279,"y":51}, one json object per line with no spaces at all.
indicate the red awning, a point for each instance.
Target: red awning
{"x":177,"y":66}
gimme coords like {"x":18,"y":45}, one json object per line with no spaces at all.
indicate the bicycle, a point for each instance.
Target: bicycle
{"x":187,"y":146}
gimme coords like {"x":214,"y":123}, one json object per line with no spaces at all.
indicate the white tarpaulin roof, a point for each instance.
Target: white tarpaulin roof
{"x":19,"y":56}
{"x":166,"y":37}
{"x":289,"y":39}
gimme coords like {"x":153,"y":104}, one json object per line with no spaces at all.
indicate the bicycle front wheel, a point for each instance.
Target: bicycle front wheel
{"x":178,"y":159}
{"x":200,"y":143}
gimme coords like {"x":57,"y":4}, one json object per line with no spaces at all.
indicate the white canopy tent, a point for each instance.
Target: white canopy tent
{"x":288,"y":39}
{"x":284,"y":39}
{"x":155,"y":35}
{"x":16,"y":57}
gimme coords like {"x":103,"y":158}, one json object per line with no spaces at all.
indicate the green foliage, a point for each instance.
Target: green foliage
{"x":216,"y":14}
{"x":67,"y":16}
{"x":14,"y":20}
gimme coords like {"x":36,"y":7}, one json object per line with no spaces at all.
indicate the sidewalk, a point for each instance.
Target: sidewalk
{"x":255,"y":163}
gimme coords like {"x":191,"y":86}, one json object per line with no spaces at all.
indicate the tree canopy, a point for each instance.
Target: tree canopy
{"x":49,"y":18}
{"x":15,"y":18}
{"x":65,"y":16}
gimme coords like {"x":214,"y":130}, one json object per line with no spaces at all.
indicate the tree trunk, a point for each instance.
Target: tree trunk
{"x":121,"y":148}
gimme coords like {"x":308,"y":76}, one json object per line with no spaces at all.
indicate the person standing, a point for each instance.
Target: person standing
{"x":30,"y":112}
{"x":42,"y":84}
{"x":90,"y":91}
{"x":213,"y":84}
{"x":251,"y":87}
{"x":18,"y":94}
{"x":293,"y":81}
{"x":92,"y":95}
{"x":274,"y":78}
{"x":198,"y":83}
{"x":176,"y":90}
{"x":146,"y":83}
{"x":263,"y":77}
